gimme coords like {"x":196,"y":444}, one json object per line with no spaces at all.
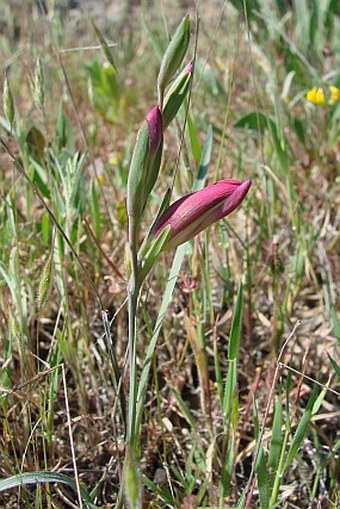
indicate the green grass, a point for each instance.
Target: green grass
{"x":237,"y":352}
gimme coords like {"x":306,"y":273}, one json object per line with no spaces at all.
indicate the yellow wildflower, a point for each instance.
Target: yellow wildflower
{"x":101,"y":179}
{"x":113,"y":159}
{"x":316,"y":96}
{"x":335,"y":94}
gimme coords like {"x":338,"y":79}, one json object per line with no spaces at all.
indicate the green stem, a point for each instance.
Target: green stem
{"x":279,"y":472}
{"x":132,"y":312}
{"x":132,"y":309}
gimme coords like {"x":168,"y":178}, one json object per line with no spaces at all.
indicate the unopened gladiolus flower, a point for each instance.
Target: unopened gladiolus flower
{"x":316,"y":96}
{"x":145,"y":163}
{"x":334,"y":94}
{"x":191,"y":214}
{"x":154,"y":120}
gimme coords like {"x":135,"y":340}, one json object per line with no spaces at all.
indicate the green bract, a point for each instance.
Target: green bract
{"x":173,"y":56}
{"x":145,"y":163}
{"x":136,"y":174}
{"x":176,"y":95}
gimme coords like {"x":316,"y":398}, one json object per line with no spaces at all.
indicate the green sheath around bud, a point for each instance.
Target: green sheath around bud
{"x":173,"y":56}
{"x":152,"y":174}
{"x":145,"y":163}
{"x":176,"y":95}
{"x":136,"y":177}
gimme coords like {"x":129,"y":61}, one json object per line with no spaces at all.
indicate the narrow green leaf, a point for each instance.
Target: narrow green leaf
{"x":263,"y":479}
{"x":275,"y":444}
{"x":61,"y":126}
{"x":39,"y":177}
{"x":227,"y":469}
{"x":299,"y":130}
{"x":184,"y":409}
{"x":302,"y":21}
{"x":105,"y":48}
{"x":302,"y":428}
{"x":27,"y":478}
{"x":287,"y":85}
{"x":160,"y":490}
{"x":234,"y":342}
{"x":95,"y":207}
{"x":335,"y":365}
{"x":288,"y":385}
{"x":205,"y":158}
{"x":314,"y":21}
{"x":255,"y":121}
{"x":5,"y":124}
{"x":195,"y":145}
{"x":230,"y":388}
{"x":235,"y":332}
{"x":155,"y":42}
{"x":8,"y":103}
{"x":320,"y":398}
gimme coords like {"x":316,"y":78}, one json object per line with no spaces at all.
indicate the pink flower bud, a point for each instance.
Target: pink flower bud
{"x":189,"y":67}
{"x":154,"y":120}
{"x":191,"y":214}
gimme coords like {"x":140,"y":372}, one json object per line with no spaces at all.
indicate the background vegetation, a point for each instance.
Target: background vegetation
{"x":242,"y":405}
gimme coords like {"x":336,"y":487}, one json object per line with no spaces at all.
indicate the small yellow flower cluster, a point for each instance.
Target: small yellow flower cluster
{"x":101,"y":179}
{"x":335,"y":95}
{"x":317,"y":96}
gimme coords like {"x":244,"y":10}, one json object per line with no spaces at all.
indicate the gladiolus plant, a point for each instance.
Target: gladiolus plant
{"x":176,"y":224}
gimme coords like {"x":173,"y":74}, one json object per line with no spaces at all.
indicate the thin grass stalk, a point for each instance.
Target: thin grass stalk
{"x":116,"y":376}
{"x":69,"y":425}
{"x":280,"y":470}
{"x":226,"y":112}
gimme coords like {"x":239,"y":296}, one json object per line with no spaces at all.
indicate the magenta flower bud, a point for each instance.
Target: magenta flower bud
{"x":154,"y":120}
{"x":191,"y":214}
